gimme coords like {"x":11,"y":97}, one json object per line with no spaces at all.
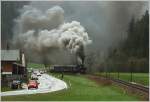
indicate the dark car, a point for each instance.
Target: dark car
{"x":15,"y":84}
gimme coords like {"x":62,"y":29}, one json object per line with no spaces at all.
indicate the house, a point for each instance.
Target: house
{"x":8,"y":57}
{"x":12,"y":66}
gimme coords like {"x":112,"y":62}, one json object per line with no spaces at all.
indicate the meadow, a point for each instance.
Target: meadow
{"x":140,"y":78}
{"x":35,"y":65}
{"x":80,"y":88}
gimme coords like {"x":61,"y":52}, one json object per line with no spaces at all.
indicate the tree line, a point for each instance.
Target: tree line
{"x":133,"y":53}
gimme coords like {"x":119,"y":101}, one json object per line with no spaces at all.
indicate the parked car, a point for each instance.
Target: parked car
{"x":42,"y":72}
{"x":16,"y":84}
{"x":33,"y":84}
{"x":34,"y":77}
{"x":35,"y":73}
{"x":24,"y":86}
{"x":38,"y":74}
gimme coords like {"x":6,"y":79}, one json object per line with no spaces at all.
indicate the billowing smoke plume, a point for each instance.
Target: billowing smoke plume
{"x":41,"y":33}
{"x":105,"y":21}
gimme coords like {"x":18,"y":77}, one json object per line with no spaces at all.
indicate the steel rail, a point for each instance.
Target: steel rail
{"x":136,"y":86}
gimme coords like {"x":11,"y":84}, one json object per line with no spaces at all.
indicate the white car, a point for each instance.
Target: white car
{"x":38,"y":74}
{"x":42,"y":72}
{"x":34,"y":77}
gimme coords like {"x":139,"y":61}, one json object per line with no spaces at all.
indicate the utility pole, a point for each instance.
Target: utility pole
{"x":118,"y":70}
{"x":106,"y":71}
{"x":7,"y":46}
{"x":131,"y":72}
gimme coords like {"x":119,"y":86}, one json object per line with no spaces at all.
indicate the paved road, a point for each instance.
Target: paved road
{"x":47,"y":84}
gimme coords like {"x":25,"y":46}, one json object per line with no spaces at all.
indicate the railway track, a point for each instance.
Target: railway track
{"x":128,"y":84}
{"x":135,"y":86}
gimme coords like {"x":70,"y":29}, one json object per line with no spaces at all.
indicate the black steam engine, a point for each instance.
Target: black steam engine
{"x":68,"y":69}
{"x":78,"y":68}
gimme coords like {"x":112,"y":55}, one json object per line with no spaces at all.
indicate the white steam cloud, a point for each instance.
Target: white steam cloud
{"x":40,"y":32}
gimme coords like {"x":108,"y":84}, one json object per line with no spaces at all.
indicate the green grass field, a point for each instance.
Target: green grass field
{"x":35,"y":65}
{"x":141,"y":78}
{"x":80,"y":89}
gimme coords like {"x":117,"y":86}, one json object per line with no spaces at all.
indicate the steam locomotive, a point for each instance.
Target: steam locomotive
{"x":68,"y":69}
